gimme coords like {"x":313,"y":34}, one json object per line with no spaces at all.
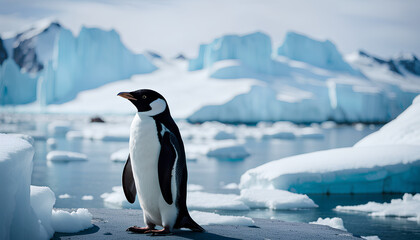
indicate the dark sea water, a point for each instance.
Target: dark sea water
{"x":98,"y":175}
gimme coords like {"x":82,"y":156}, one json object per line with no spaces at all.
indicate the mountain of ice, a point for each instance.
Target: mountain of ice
{"x":93,"y":58}
{"x":322,"y":54}
{"x":63,"y":64}
{"x":251,"y":52}
{"x":309,"y":82}
{"x":16,"y":87}
{"x":386,"y":161}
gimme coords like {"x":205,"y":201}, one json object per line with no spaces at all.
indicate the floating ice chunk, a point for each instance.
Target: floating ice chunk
{"x":371,"y":237}
{"x":42,"y":201}
{"x":107,"y":132}
{"x":328,"y":125}
{"x":64,"y":196}
{"x":310,"y":132}
{"x":87,"y":197}
{"x":275,"y":199}
{"x":59,"y":128}
{"x":223,"y":135}
{"x":51,"y":143}
{"x":230,"y":152}
{"x":194,"y":187}
{"x":211,"y":201}
{"x":64,"y":156}
{"x":343,"y":170}
{"x":73,"y":135}
{"x":120,"y":155}
{"x":231,"y":186}
{"x":407,"y":207}
{"x":71,"y":222}
{"x":116,"y":199}
{"x":206,"y":218}
{"x":335,"y":222}
{"x":280,"y":135}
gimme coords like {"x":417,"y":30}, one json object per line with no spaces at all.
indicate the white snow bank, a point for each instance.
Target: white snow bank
{"x":371,"y":237}
{"x":386,"y":161}
{"x":275,"y":199}
{"x":76,"y":221}
{"x":120,"y":155}
{"x":405,"y":129}
{"x":231,"y":186}
{"x":15,"y":179}
{"x":230,"y":152}
{"x":407,"y":207}
{"x":64,"y":156}
{"x":335,"y":222}
{"x":206,"y":218}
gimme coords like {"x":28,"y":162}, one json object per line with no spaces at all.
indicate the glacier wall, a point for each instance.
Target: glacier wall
{"x":61,"y":64}
{"x":252,"y":51}
{"x":94,"y":58}
{"x":16,"y":87}
{"x":320,"y":54}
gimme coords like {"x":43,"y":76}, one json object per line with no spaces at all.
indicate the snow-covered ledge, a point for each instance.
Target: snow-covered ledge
{"x":16,"y":212}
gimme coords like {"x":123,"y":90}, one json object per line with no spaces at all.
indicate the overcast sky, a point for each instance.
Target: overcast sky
{"x":382,"y":27}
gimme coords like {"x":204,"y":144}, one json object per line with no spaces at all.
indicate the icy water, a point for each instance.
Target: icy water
{"x":98,"y":175}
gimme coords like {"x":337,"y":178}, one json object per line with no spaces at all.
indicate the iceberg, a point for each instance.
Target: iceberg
{"x":16,"y":87}
{"x":62,"y":64}
{"x":407,"y":207}
{"x":322,"y":54}
{"x":77,"y":65}
{"x":387,"y":161}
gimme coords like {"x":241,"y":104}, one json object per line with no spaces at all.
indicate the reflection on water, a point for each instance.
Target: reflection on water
{"x":98,"y":175}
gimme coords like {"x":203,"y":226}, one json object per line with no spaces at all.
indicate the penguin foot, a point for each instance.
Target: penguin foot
{"x":162,"y":232}
{"x":136,"y":229}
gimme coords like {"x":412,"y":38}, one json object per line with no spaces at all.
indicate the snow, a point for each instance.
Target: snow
{"x":207,"y":218}
{"x":194,"y":187}
{"x":231,"y":152}
{"x":120,"y":155}
{"x":116,"y":199}
{"x":386,"y":161}
{"x":42,"y":202}
{"x":371,"y":237}
{"x":65,"y":156}
{"x":405,"y":129}
{"x":87,"y":197}
{"x":275,"y":199}
{"x":334,"y":222}
{"x":71,"y":222}
{"x":407,"y":207}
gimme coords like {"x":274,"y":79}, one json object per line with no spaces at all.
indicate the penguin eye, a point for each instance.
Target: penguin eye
{"x":144,"y":96}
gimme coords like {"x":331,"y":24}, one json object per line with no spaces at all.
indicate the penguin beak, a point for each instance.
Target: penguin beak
{"x":126,"y":95}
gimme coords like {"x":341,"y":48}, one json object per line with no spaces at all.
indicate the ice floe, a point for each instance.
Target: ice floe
{"x":65,"y":156}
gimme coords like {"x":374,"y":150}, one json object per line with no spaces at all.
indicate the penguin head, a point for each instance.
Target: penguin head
{"x":147,"y":102}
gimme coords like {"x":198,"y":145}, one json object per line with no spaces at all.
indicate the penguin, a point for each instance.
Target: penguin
{"x":156,"y":166}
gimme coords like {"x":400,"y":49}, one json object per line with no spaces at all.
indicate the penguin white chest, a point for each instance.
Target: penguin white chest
{"x":144,"y":153}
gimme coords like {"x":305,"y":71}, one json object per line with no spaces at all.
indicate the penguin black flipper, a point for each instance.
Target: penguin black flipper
{"x":167,"y":157}
{"x":128,"y":183}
